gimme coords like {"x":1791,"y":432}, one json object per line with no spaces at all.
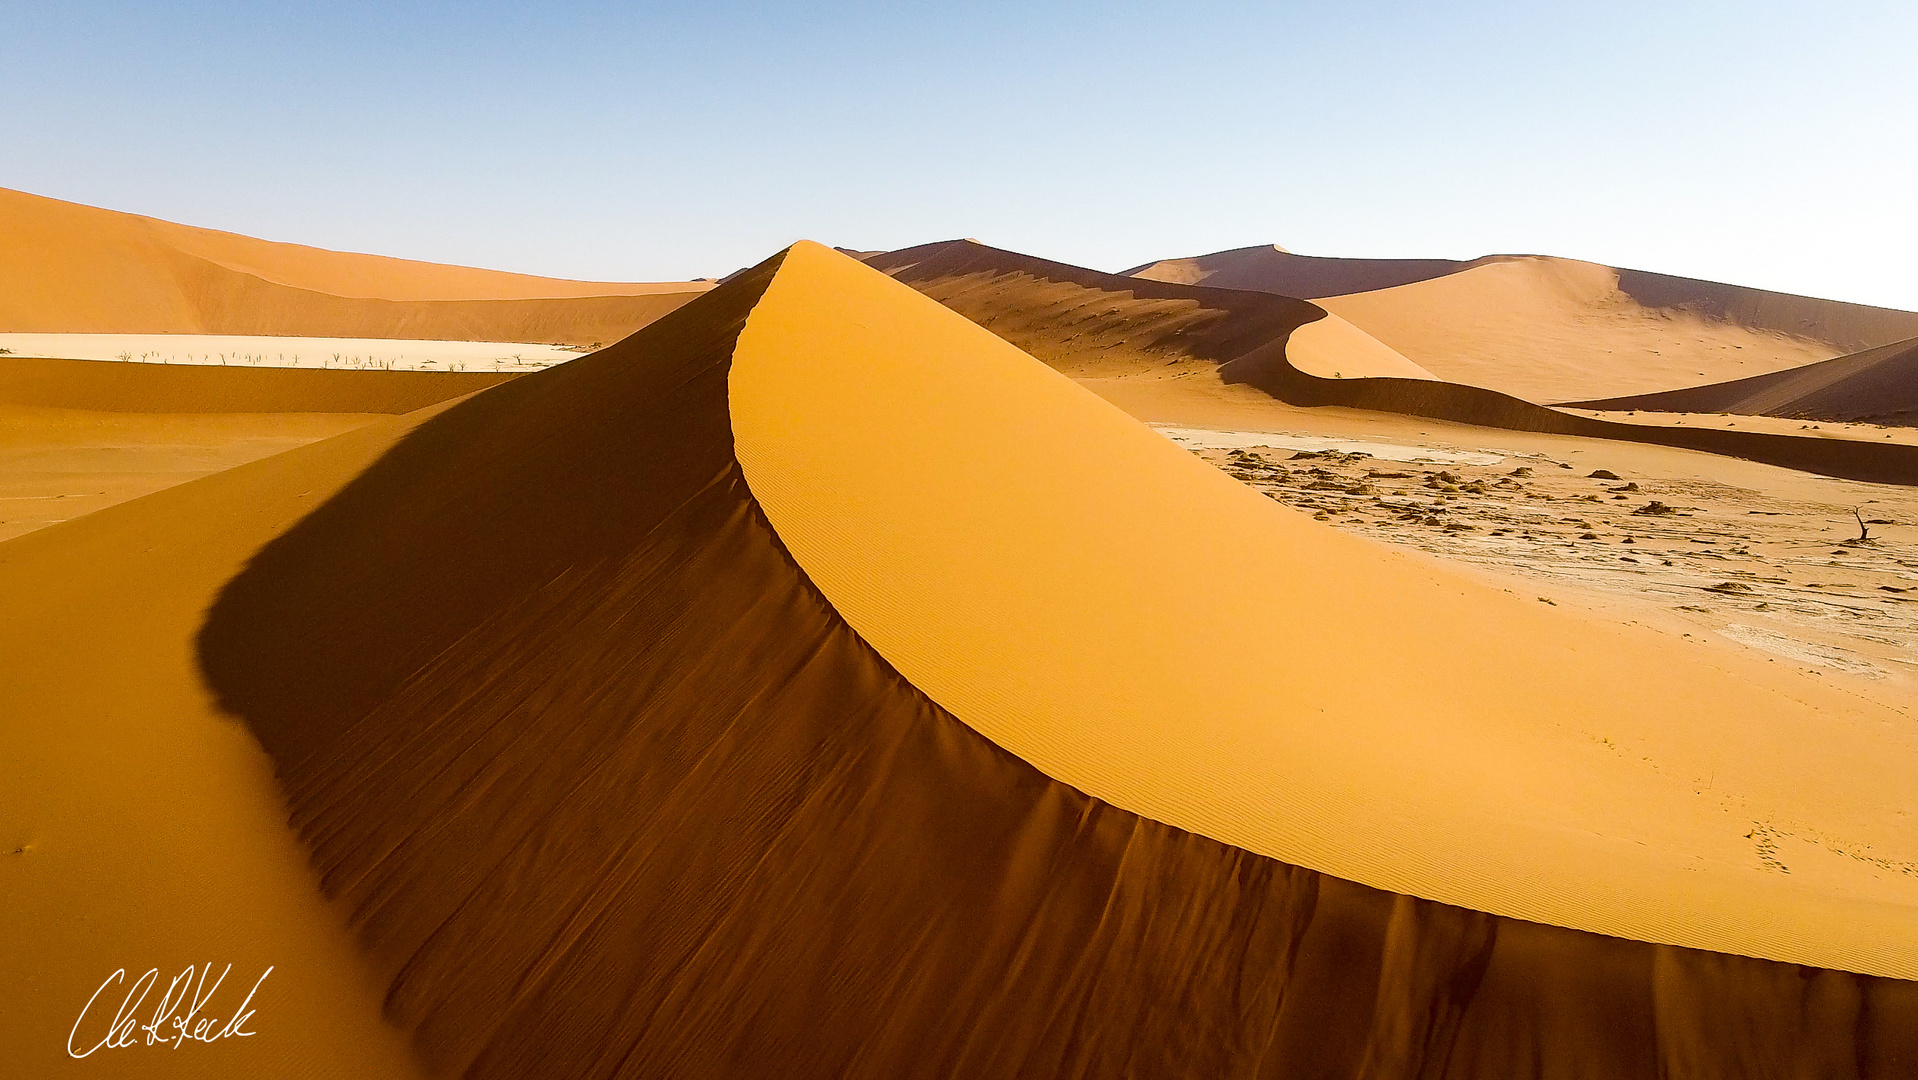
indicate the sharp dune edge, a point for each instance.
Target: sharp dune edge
{"x":592,"y":702}
{"x":1877,"y":385}
{"x":78,"y":269}
{"x":1083,"y":322}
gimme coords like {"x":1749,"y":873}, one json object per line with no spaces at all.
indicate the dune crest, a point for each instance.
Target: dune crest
{"x":1555,"y":329}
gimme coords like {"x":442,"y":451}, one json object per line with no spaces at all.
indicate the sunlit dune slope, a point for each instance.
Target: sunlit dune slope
{"x":1536,"y":327}
{"x":1093,"y":325}
{"x":1270,"y":268}
{"x":1555,"y":329}
{"x":632,"y":701}
{"x":77,"y":269}
{"x":80,"y":435}
{"x":1877,"y":385}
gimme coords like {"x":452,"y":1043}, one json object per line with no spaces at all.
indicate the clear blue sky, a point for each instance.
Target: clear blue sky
{"x":1766,"y":143}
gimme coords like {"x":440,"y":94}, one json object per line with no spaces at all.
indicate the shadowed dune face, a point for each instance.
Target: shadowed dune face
{"x":607,"y":787}
{"x":80,"y":269}
{"x":1877,"y":385}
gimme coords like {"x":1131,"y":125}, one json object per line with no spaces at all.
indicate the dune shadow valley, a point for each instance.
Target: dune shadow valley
{"x":946,"y":662}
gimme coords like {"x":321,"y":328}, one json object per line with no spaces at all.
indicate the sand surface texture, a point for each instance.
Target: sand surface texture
{"x":77,"y":269}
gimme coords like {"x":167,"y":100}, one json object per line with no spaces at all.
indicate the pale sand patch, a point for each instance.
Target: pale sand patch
{"x":1205,"y":438}
{"x":1143,"y":627}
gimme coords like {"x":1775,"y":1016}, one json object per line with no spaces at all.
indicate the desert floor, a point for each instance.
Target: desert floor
{"x":1734,"y":554}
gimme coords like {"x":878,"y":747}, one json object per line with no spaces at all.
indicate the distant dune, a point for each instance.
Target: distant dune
{"x":1879,"y":386}
{"x":1270,"y":268}
{"x":77,"y":269}
{"x":1548,"y":329}
{"x":813,"y":685}
{"x":1554,"y":329}
{"x":1088,"y":324}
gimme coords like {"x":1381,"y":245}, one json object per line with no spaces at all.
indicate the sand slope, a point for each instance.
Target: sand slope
{"x":1548,"y":329}
{"x":1091,"y":325}
{"x":1554,"y":329}
{"x":594,"y":714}
{"x":1270,"y":268}
{"x":114,"y":386}
{"x":1083,"y":322}
{"x":1877,"y":385}
{"x":80,"y":435}
{"x":77,"y":269}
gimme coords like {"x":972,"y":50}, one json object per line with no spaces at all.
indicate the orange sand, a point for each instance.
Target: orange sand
{"x":78,"y":269}
{"x":988,"y":527}
{"x":1557,"y":330}
{"x":624,"y":755}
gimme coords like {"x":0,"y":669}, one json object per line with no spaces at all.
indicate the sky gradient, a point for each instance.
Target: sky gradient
{"x":1764,"y":143}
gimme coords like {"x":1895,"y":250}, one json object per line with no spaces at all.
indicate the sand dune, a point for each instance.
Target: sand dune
{"x":814,"y":685}
{"x":78,"y":269}
{"x":1554,"y":329}
{"x":1270,"y":268}
{"x":1100,"y":326}
{"x":80,"y":435}
{"x":1877,"y":385}
{"x":115,"y":386}
{"x":60,"y":464}
{"x":1537,"y":327}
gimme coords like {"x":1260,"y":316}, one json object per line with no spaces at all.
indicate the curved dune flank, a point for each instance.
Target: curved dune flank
{"x":597,"y":703}
{"x":78,"y":269}
{"x":1089,"y":325}
{"x":1876,"y":386}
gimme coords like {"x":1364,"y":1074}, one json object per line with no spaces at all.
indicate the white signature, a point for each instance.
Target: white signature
{"x":170,"y":1025}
